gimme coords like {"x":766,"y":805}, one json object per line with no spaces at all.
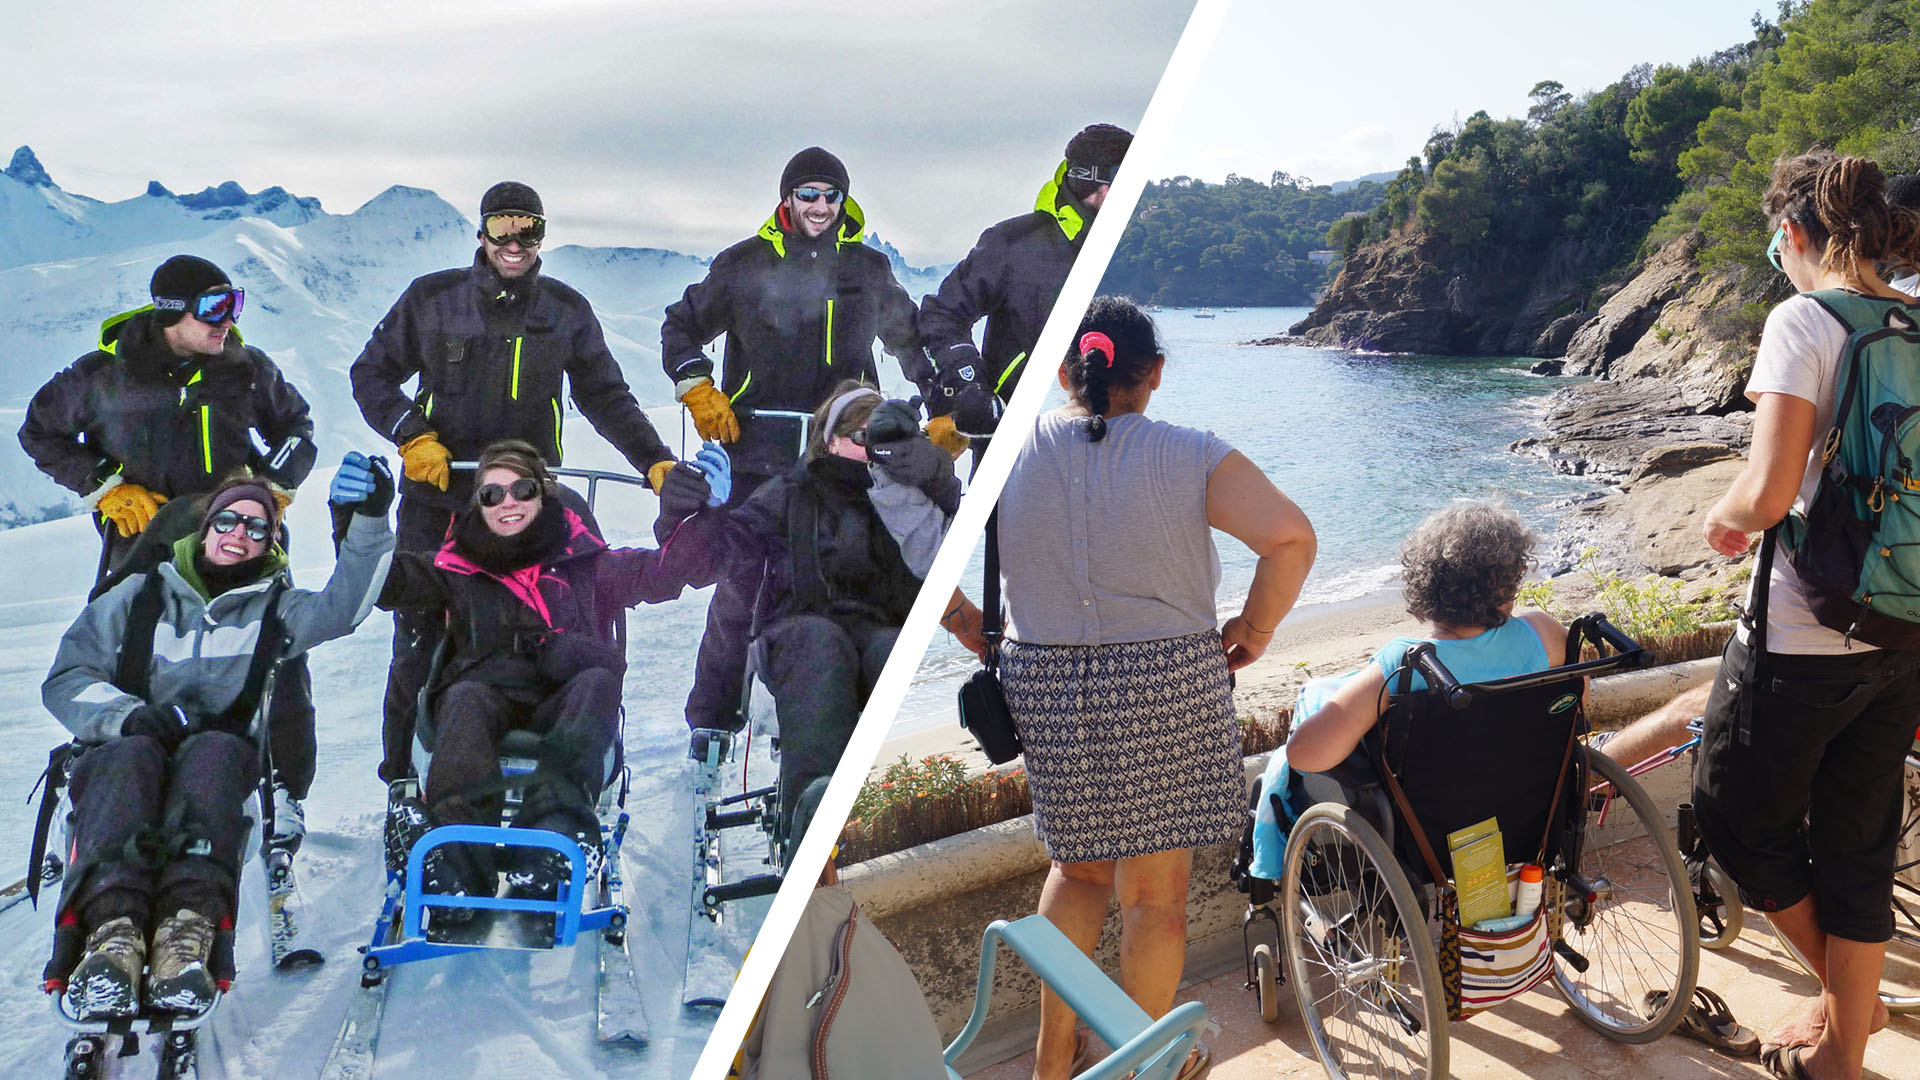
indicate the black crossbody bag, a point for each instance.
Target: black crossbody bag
{"x":983,"y":706}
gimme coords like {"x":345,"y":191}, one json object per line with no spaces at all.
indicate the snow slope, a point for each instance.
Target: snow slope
{"x":521,"y":1014}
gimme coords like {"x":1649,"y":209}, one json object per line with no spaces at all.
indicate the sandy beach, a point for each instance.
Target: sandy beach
{"x":1315,"y":640}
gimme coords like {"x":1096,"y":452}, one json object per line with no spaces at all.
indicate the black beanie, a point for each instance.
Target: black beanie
{"x":183,"y":278}
{"x":508,"y":196}
{"x":812,"y":163}
{"x":1904,"y":191}
{"x":1099,"y":144}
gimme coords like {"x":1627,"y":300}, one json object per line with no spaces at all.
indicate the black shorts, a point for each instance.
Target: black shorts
{"x":1807,"y":800}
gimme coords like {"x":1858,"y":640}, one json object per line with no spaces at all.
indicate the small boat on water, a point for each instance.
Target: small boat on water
{"x":1204,"y":313}
{"x":1229,"y":310}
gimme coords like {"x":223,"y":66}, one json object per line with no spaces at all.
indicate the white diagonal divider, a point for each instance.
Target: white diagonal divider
{"x":1103,"y":237}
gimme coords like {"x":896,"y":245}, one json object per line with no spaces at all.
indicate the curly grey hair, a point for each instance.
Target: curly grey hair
{"x":1464,"y":564}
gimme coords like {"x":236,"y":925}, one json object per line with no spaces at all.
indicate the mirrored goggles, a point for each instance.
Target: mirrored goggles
{"x":1773,"y":248}
{"x":833,"y":195}
{"x":212,"y":306}
{"x":1093,"y":174}
{"x":258,"y":529}
{"x":524,"y":489}
{"x":525,"y":229}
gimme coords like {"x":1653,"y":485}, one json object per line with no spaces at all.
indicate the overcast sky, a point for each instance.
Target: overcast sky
{"x":656,"y":124}
{"x":1336,"y":91}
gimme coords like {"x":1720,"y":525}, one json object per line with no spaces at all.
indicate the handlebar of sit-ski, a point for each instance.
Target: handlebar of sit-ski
{"x":805,"y":420}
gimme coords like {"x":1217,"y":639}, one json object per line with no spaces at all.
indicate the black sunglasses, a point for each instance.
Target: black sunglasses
{"x":524,"y":489}
{"x":258,"y":529}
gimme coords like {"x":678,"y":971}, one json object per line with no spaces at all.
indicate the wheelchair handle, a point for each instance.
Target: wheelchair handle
{"x":1596,"y":628}
{"x":1427,"y":663}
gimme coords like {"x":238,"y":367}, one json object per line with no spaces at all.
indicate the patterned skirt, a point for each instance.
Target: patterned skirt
{"x":1131,"y":748}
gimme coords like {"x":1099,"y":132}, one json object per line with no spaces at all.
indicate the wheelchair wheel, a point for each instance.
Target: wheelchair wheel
{"x":1629,"y":928}
{"x":1266,"y":982}
{"x":1359,"y":953}
{"x":1721,"y":922}
{"x":1901,"y":989}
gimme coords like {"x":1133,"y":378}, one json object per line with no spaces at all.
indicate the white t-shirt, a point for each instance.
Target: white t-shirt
{"x":1800,"y":356}
{"x":1909,"y":284}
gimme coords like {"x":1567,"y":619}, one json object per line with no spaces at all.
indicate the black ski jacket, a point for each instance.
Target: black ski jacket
{"x":815,"y":539}
{"x":173,"y":425}
{"x":491,"y":355}
{"x":800,"y":315}
{"x":1010,"y":278}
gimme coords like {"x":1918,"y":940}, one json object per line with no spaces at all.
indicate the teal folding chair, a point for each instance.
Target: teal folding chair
{"x":1147,"y":1048}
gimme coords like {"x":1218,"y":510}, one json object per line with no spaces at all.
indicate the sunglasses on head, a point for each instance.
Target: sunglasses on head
{"x":527,"y":229}
{"x":212,"y":306}
{"x":258,"y":529}
{"x":814,"y":194}
{"x":524,"y":489}
{"x":1773,"y":248}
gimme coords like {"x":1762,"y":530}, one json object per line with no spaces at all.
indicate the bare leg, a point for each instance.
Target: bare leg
{"x":1664,"y":727}
{"x":1852,"y":1000}
{"x":1800,"y":925}
{"x":1153,"y":926}
{"x":1075,"y":900}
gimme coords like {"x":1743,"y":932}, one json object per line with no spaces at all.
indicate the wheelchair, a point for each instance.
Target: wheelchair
{"x":1355,"y":917}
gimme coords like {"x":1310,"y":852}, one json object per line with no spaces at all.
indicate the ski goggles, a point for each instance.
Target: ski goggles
{"x":1093,"y":174}
{"x":212,"y":306}
{"x":525,"y":229}
{"x":258,"y":529}
{"x":833,"y":195}
{"x":1773,"y":248}
{"x":524,"y":489}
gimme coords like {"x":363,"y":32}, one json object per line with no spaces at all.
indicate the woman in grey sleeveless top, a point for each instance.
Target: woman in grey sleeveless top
{"x":1113,"y":670}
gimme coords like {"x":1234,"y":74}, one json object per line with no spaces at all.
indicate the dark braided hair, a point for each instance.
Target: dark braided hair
{"x":1092,"y":372}
{"x":1841,"y":203}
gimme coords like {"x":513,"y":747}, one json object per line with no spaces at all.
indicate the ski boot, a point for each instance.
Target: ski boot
{"x":446,"y":870}
{"x":106,"y":983}
{"x":181,"y":980}
{"x":289,"y":820}
{"x":539,"y":872}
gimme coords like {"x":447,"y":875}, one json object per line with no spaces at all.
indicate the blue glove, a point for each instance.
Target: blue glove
{"x":713,"y":462}
{"x":363,"y":483}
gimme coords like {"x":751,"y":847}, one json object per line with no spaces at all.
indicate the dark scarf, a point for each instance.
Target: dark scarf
{"x":218,"y":579}
{"x":498,"y":293}
{"x":849,"y":478}
{"x":543,"y":539}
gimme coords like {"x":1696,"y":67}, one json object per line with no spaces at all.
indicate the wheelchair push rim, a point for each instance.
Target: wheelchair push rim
{"x":1640,"y":934}
{"x":1366,"y":978}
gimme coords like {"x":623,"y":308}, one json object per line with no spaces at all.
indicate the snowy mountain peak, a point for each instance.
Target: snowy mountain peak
{"x":413,"y":203}
{"x":27,"y":169}
{"x":158,"y":190}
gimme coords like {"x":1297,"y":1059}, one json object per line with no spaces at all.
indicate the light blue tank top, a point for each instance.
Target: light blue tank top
{"x":1512,"y":648}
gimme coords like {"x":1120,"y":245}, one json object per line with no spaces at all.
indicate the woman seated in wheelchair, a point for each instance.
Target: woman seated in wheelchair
{"x":159,"y":679}
{"x":533,"y":600}
{"x":1463,"y":568}
{"x":839,"y":546}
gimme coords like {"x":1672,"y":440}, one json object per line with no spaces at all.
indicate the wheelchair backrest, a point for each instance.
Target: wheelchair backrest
{"x":1493,"y":749}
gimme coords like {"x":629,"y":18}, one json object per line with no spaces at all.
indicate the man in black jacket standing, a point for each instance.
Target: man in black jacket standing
{"x":491,"y":345}
{"x":168,"y":405}
{"x":1011,"y":278}
{"x":801,"y":303}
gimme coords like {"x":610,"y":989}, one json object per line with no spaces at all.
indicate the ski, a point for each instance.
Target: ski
{"x":619,"y":1015}
{"x":17,"y":892}
{"x":283,"y":929}
{"x":708,"y":974}
{"x":178,"y":1058}
{"x":352,"y":1054}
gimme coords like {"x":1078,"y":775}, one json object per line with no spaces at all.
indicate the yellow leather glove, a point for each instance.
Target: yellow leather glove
{"x":130,"y":507}
{"x":712,"y":413}
{"x":944,"y":435}
{"x":425,"y":461}
{"x":657,"y":475}
{"x":283,"y":497}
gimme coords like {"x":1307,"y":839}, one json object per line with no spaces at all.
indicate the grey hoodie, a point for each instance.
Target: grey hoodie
{"x":201,"y":647}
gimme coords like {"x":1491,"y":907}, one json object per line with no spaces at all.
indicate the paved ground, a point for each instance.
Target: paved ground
{"x":1536,"y":1036}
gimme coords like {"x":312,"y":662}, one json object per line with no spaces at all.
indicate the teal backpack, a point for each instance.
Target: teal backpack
{"x":1857,"y":549}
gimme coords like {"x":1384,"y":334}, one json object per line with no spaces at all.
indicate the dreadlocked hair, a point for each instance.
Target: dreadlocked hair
{"x":1092,"y":373}
{"x":1841,"y":202}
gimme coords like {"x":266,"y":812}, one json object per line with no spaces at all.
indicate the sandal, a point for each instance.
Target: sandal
{"x":1082,"y":1052}
{"x":1199,"y":1063}
{"x":1708,"y":1020}
{"x":1783,"y":1061}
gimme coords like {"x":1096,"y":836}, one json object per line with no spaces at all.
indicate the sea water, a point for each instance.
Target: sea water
{"x":1367,"y":444}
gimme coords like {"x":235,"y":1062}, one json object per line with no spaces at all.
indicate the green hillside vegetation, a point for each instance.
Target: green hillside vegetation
{"x":1598,"y":181}
{"x":1241,"y":242}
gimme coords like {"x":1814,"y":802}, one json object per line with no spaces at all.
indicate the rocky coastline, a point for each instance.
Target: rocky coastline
{"x":1659,"y":416}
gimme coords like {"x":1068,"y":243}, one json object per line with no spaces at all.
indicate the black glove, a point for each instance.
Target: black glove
{"x":976,"y":412}
{"x":683,"y":493}
{"x":377,"y":502}
{"x":897,"y":446}
{"x":167,"y":723}
{"x":961,"y":368}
